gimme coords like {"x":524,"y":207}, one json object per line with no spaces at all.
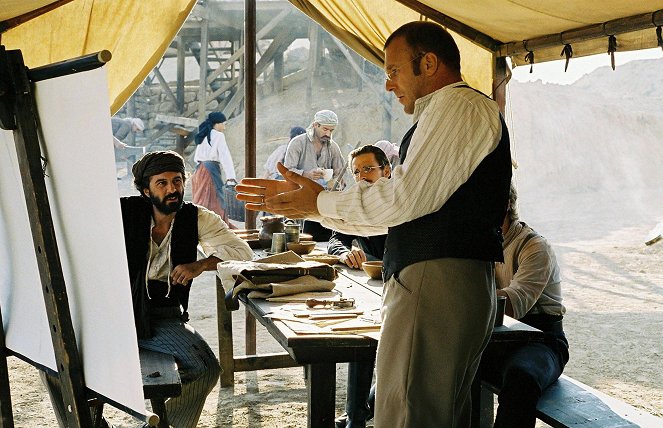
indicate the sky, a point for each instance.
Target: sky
{"x":553,"y":71}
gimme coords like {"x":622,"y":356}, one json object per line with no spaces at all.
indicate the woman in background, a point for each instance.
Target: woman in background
{"x":212,"y":154}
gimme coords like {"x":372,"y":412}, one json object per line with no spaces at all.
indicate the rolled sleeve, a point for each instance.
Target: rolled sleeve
{"x":217,"y":240}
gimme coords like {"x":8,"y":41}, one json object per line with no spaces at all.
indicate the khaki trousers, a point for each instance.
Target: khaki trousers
{"x":437,"y":318}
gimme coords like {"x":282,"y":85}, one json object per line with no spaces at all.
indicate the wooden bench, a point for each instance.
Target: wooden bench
{"x":161,"y":380}
{"x":569,"y":403}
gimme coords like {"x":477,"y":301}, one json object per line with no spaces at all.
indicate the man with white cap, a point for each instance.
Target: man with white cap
{"x":123,"y":127}
{"x":311,"y":153}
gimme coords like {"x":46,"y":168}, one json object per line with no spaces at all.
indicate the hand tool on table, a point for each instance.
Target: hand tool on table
{"x":340,"y":304}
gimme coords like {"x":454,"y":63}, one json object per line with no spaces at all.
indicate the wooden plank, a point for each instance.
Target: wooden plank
{"x":164,"y":85}
{"x":568,"y":402}
{"x":282,"y":41}
{"x":360,"y":73}
{"x":278,"y":360}
{"x":239,"y":52}
{"x":177,"y":120}
{"x":202,"y":82}
{"x":161,"y":378}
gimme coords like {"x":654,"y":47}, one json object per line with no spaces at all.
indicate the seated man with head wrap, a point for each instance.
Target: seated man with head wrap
{"x":212,"y":155}
{"x":312,"y":152}
{"x":162,"y":233}
{"x":278,"y":155}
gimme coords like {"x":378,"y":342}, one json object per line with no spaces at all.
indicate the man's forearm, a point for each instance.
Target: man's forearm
{"x":209,"y":263}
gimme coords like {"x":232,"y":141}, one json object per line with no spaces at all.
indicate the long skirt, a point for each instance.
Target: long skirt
{"x":207,"y":189}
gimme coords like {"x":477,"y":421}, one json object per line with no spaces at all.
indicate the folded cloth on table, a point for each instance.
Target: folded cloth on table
{"x":275,"y":276}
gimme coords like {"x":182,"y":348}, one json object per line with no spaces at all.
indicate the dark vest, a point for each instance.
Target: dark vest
{"x":137,"y":217}
{"x":468,"y":224}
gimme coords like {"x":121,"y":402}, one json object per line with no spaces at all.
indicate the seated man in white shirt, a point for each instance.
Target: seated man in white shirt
{"x":530,"y":280}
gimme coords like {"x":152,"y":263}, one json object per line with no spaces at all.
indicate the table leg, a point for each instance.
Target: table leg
{"x":250,"y":334}
{"x":321,"y":388}
{"x":225,"y":331}
{"x":483,"y":409}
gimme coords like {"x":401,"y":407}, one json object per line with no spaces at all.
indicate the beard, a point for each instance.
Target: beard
{"x":168,"y":207}
{"x":325,"y":139}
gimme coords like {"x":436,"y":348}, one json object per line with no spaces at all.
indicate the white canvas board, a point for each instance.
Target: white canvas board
{"x":82,"y":188}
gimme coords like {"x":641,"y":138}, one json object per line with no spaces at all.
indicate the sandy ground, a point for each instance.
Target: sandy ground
{"x":613,"y":288}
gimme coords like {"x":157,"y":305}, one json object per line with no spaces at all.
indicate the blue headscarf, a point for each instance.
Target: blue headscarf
{"x":205,"y":128}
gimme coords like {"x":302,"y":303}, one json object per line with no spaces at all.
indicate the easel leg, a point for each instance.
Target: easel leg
{"x":6,"y":415}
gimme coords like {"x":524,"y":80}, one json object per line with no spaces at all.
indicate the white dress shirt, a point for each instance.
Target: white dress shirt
{"x":457,"y":128}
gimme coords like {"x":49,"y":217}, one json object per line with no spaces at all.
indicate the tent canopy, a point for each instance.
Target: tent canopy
{"x":137,"y":33}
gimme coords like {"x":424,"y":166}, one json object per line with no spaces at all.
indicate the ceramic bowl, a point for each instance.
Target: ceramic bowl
{"x":373,"y":269}
{"x":301,"y":247}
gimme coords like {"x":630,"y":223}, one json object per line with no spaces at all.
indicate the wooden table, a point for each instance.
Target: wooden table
{"x":319,"y":353}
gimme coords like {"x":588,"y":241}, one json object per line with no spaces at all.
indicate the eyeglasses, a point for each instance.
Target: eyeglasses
{"x":365,"y":170}
{"x":389,"y":75}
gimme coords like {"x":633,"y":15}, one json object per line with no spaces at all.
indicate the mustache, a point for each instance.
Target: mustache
{"x":177,"y":195}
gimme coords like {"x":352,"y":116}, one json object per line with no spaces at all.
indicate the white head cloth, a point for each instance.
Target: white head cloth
{"x":324,"y":118}
{"x":138,"y":123}
{"x":390,"y":149}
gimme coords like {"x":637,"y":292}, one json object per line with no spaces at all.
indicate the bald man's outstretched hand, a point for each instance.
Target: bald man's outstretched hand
{"x":294,"y":197}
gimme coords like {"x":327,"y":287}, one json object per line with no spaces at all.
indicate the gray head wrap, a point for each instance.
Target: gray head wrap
{"x":324,"y":118}
{"x":154,"y":163}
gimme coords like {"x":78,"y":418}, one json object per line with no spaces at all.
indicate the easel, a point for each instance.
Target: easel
{"x":19,"y":114}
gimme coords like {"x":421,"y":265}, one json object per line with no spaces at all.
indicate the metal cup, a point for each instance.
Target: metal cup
{"x":278,"y":242}
{"x":499,"y":314}
{"x":291,"y":233}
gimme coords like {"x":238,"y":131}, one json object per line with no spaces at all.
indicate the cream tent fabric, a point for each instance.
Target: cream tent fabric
{"x":364,"y":25}
{"x":136,"y":32}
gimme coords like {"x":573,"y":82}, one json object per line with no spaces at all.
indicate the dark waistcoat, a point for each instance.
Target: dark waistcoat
{"x":137,"y":218}
{"x":468,"y":224}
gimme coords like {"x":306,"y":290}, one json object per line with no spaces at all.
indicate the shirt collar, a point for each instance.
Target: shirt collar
{"x":514,"y":230}
{"x":421,"y":103}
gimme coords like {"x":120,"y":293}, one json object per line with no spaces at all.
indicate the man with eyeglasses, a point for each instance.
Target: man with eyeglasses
{"x":368,"y":164}
{"x":443,"y":208}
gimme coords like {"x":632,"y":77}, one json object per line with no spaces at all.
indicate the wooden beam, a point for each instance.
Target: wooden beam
{"x":250,"y":77}
{"x":202,"y":89}
{"x":595,"y":31}
{"x":164,"y":85}
{"x":282,"y":40}
{"x":359,"y":71}
{"x":18,"y":20}
{"x":452,"y":24}
{"x":239,"y":52}
{"x":314,"y":41}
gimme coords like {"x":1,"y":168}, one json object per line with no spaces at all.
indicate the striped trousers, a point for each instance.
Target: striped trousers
{"x":198,"y":366}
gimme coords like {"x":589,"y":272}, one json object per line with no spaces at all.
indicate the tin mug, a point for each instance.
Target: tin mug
{"x":278,"y":242}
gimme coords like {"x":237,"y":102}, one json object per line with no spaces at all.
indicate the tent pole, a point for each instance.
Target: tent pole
{"x":250,"y":98}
